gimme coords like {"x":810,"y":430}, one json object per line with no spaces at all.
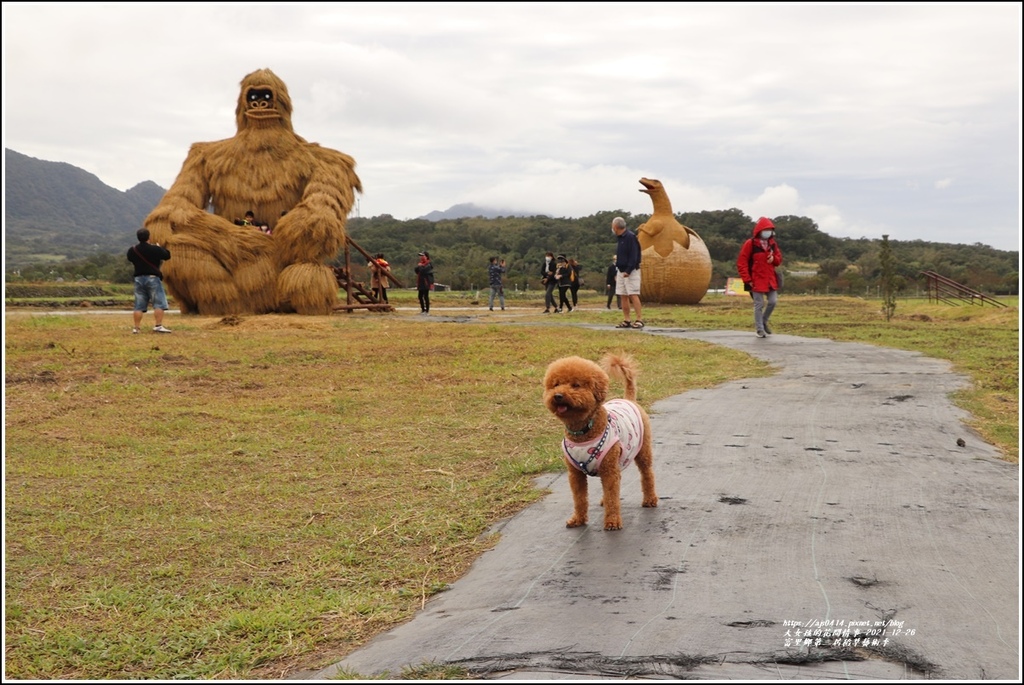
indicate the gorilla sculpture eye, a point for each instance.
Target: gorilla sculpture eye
{"x":259,"y":94}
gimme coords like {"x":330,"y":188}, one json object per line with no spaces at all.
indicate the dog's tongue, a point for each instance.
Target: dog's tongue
{"x":562,"y":409}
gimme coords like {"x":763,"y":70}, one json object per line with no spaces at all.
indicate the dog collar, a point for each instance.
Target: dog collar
{"x":590,"y":424}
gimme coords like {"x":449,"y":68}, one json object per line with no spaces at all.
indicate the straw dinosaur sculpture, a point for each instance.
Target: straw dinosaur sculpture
{"x":301,"y":190}
{"x":676,"y":266}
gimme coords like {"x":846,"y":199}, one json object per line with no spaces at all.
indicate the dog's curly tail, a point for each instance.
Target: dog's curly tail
{"x":623,"y":367}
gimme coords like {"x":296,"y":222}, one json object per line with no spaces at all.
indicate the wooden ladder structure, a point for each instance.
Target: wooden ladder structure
{"x":357,"y":295}
{"x":942,"y":289}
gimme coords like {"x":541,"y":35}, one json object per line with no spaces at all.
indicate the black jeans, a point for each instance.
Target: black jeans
{"x":563,"y":298}
{"x":424,"y":300}
{"x":549,"y":295}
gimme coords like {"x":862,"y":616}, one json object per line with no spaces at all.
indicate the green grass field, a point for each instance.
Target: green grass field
{"x":253,"y":496}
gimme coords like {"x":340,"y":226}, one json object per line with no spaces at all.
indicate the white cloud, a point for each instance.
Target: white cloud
{"x":847,"y":113}
{"x":780,"y":200}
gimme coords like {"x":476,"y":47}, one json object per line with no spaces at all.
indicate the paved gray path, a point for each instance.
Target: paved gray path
{"x":832,"y":494}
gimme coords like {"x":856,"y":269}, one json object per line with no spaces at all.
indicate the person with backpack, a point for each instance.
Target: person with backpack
{"x":756,"y":264}
{"x":379,"y":269}
{"x":574,"y":284}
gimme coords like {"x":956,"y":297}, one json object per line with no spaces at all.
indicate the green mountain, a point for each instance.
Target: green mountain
{"x":54,"y":211}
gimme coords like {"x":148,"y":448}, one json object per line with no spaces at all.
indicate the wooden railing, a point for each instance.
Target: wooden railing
{"x":357,"y":295}
{"x":942,"y":289}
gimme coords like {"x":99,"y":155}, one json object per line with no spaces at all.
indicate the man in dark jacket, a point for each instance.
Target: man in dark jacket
{"x":149,"y":285}
{"x":609,"y":284}
{"x":627,"y":280}
{"x":495,"y":277}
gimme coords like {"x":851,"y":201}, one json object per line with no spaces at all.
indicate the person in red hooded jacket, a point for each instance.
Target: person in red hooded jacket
{"x":759,"y":257}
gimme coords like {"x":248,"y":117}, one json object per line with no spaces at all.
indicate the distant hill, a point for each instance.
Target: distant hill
{"x":55,"y":211}
{"x":469,"y":211}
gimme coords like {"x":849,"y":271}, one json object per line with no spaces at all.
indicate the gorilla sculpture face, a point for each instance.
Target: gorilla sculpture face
{"x":260,"y":104}
{"x":263,"y":101}
{"x":260,"y":101}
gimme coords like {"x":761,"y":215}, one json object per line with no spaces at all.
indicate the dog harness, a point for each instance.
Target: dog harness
{"x":625,"y":426}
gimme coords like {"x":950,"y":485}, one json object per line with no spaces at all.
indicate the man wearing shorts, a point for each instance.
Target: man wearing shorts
{"x":627,"y":278}
{"x":149,"y":285}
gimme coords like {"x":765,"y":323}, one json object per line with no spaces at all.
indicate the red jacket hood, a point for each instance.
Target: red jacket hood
{"x":762,"y":223}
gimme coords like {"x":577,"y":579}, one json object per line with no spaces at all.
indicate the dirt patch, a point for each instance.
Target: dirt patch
{"x":40,"y":377}
{"x":274,"y":322}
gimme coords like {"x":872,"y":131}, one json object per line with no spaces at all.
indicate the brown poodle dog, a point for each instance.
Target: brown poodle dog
{"x":601,"y":437}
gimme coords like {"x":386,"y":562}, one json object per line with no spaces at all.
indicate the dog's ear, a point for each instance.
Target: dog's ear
{"x":549,"y":375}
{"x":599,"y":386}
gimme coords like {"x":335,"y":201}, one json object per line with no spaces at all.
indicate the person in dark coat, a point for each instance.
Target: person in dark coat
{"x":495,"y":278}
{"x":609,"y":284}
{"x":574,"y":287}
{"x":563,"y":277}
{"x":547,"y":279}
{"x":424,"y":281}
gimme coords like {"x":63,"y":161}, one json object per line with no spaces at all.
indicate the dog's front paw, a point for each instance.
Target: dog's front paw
{"x":613,"y":524}
{"x":575,"y":522}
{"x":650,"y":501}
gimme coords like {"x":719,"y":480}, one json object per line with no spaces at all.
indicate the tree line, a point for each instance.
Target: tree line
{"x":814,"y":262}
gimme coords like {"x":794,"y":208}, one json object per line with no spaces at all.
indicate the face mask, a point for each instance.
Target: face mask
{"x":765,"y":235}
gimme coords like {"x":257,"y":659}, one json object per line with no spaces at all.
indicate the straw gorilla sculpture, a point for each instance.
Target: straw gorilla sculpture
{"x":302,"y":191}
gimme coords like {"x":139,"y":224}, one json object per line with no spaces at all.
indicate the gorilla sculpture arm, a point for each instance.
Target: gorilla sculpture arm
{"x":309,"y":231}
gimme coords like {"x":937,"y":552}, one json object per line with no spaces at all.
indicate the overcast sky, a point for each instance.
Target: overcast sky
{"x":871,"y":119}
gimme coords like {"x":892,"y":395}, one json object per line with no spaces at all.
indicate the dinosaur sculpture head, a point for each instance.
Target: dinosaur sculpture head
{"x":662,"y":207}
{"x":263,"y":102}
{"x":651,"y":186}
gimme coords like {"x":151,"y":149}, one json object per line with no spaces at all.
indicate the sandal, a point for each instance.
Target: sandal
{"x":624,"y":324}
{"x":638,"y":324}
